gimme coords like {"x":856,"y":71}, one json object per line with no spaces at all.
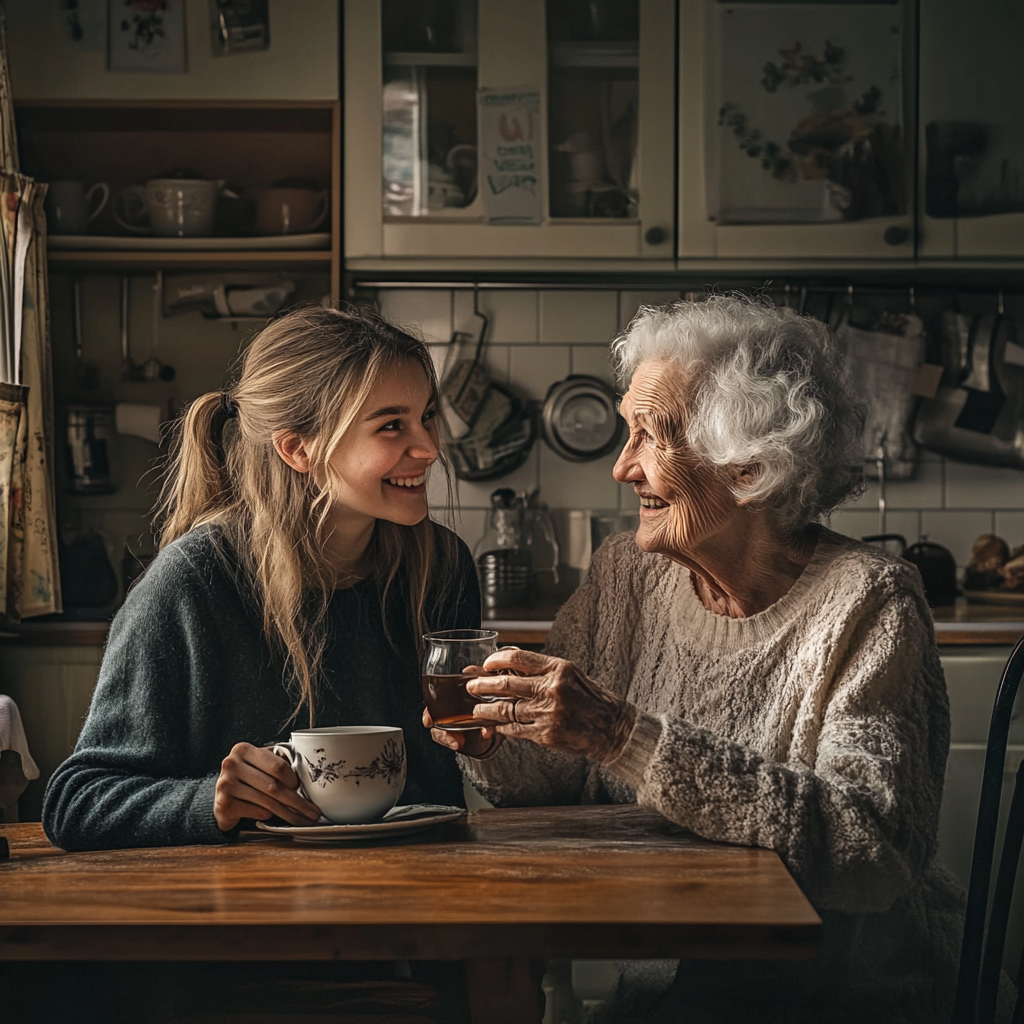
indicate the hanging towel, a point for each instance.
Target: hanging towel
{"x":884,"y":361}
{"x":12,"y":737}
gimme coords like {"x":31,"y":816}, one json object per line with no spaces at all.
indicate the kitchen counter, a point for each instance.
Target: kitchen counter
{"x":963,"y":624}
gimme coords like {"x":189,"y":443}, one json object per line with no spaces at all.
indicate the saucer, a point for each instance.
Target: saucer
{"x":402,"y":819}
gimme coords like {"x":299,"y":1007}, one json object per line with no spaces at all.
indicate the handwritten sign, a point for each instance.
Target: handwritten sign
{"x":511,"y":161}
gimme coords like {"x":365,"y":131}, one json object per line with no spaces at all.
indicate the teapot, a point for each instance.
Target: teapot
{"x":504,"y":556}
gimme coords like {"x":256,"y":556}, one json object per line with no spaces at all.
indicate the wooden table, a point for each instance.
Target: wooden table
{"x":497,"y":889}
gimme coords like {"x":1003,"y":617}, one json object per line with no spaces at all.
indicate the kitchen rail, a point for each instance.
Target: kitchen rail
{"x":959,"y":626}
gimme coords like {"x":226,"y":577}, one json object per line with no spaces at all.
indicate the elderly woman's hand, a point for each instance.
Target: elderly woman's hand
{"x":474,"y":743}
{"x":550,"y":701}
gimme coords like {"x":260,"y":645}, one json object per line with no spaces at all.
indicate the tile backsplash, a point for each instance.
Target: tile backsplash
{"x":539,"y":337}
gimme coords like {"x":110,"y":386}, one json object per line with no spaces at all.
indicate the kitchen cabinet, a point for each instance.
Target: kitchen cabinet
{"x":971,"y":137}
{"x":603,"y":138}
{"x":972,"y":676}
{"x":749,"y":74}
{"x":248,"y":144}
{"x":52,"y":686}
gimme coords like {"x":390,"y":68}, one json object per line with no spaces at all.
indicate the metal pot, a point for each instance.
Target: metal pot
{"x":579,"y":418}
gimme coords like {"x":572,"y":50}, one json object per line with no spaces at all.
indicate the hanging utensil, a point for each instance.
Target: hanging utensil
{"x":129,"y":371}
{"x":464,"y":389}
{"x":152,"y":369}
{"x":87,"y":374}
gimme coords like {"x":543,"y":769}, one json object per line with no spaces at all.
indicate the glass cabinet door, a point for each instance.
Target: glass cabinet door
{"x":796,"y":127}
{"x":972,"y":135}
{"x":593,"y":101}
{"x":429,"y":150}
{"x":441,"y":163}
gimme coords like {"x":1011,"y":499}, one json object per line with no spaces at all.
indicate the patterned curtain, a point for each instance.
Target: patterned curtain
{"x":29,"y":578}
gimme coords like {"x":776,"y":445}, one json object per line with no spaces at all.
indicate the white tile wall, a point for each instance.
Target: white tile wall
{"x":592,"y":360}
{"x":577,"y":485}
{"x":983,"y":487}
{"x":924,"y":491}
{"x":537,"y":338}
{"x":630,"y":302}
{"x":864,"y":523}
{"x":588,"y":318}
{"x":956,"y":530}
{"x":428,"y":310}
{"x":534,"y":370}
{"x":1010,"y":526}
{"x":512,"y":314}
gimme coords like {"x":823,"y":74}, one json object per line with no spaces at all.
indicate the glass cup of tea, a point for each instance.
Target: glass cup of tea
{"x":446,"y":655}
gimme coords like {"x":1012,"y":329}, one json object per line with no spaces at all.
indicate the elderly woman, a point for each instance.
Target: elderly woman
{"x":751,"y":675}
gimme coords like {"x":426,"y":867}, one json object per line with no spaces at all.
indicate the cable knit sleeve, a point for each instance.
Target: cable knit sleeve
{"x":130,"y":781}
{"x":856,"y":824}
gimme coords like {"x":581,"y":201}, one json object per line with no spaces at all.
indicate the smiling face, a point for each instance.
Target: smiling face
{"x":379,"y":469}
{"x":683,"y":500}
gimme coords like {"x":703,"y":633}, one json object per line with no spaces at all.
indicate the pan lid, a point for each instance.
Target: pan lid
{"x":579,"y":419}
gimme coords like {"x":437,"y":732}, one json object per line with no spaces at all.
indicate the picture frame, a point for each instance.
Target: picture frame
{"x":147,"y":36}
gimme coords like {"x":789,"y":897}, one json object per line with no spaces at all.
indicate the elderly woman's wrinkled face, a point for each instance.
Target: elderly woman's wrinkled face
{"x":683,"y":500}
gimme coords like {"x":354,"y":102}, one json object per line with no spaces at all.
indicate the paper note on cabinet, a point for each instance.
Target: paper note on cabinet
{"x":511,"y":163}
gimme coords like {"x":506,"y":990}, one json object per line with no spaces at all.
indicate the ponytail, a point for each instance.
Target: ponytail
{"x":308,"y":372}
{"x":196,"y":488}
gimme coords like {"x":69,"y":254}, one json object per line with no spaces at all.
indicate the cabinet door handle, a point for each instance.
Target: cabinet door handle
{"x":895,"y":235}
{"x":655,"y":236}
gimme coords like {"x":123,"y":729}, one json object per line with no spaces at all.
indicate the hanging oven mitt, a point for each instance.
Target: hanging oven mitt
{"x":491,"y":429}
{"x":884,"y":361}
{"x":976,"y":412}
{"x":464,"y":381}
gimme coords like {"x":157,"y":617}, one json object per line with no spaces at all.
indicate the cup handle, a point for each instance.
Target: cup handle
{"x":288,"y":753}
{"x":122,"y":199}
{"x":324,"y":201}
{"x":98,"y":187}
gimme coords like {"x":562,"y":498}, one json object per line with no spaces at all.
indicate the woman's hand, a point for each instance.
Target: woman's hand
{"x":550,"y":701}
{"x":255,"y":783}
{"x":472,"y":743}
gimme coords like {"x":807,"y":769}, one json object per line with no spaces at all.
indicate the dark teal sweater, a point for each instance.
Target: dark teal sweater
{"x":187,"y":674}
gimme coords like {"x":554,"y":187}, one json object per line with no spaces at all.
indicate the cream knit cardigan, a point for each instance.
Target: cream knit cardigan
{"x":818,"y":728}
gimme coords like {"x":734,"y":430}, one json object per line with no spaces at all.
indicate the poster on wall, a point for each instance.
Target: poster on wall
{"x":147,"y":35}
{"x":85,"y":23}
{"x":511,"y":155}
{"x":807,"y":121}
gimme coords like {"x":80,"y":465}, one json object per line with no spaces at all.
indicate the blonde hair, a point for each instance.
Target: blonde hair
{"x":308,"y":372}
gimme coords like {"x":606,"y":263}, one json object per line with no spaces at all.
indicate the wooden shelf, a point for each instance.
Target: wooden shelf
{"x":310,"y":259}
{"x":250,"y":144}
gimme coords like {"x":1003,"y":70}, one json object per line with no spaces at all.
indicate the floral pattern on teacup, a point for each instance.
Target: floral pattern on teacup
{"x":322,"y":773}
{"x":388,"y":764}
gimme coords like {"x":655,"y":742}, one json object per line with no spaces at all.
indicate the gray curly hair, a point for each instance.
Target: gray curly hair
{"x":766,"y":386}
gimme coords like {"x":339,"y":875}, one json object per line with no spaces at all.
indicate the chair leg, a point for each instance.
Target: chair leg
{"x":1002,"y":896}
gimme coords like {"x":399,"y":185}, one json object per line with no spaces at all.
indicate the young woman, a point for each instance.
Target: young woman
{"x":298,"y":568}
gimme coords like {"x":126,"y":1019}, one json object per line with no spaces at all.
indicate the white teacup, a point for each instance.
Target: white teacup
{"x":71,"y":207}
{"x":168,"y":207}
{"x":353,"y":773}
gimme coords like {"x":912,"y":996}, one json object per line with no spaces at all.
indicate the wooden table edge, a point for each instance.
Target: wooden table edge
{"x":409,"y":942}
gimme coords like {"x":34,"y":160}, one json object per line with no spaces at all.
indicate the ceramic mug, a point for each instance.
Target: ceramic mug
{"x":353,"y":773}
{"x":69,"y":206}
{"x":168,"y":207}
{"x":290,"y":211}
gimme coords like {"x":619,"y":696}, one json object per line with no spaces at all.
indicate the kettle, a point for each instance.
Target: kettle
{"x":504,"y":556}
{"x":935,"y":563}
